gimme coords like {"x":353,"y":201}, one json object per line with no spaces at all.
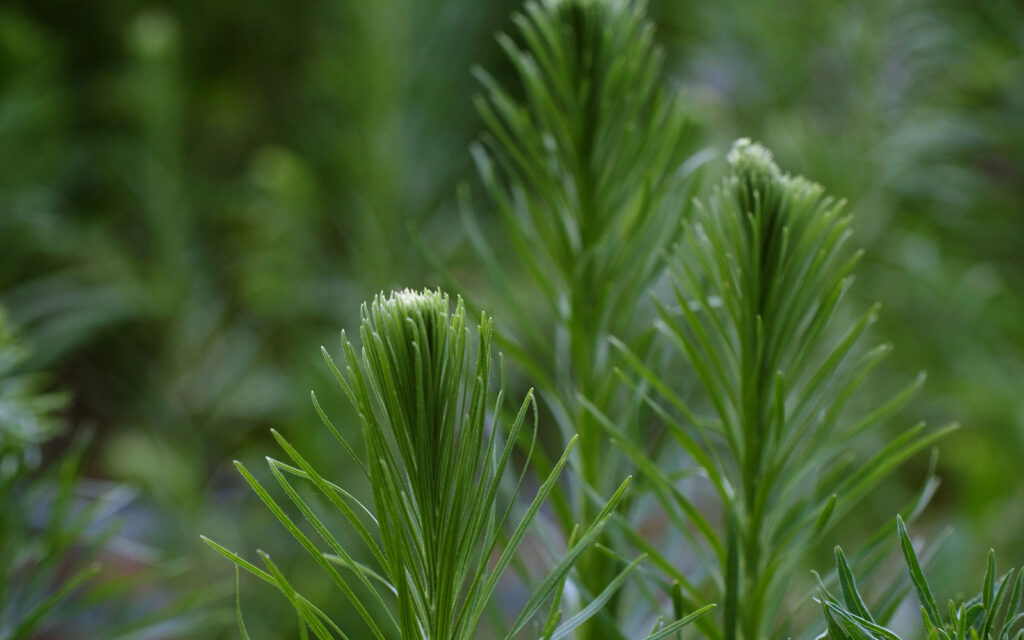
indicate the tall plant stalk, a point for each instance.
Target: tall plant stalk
{"x":758,"y":280}
{"x":588,"y":162}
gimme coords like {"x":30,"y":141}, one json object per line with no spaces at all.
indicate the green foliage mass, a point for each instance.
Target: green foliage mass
{"x":194,"y":193}
{"x":28,"y":411}
{"x":758,"y":283}
{"x":435,"y":464}
{"x":995,"y":613}
{"x":33,"y":586}
{"x":587,"y":197}
{"x":55,"y":534}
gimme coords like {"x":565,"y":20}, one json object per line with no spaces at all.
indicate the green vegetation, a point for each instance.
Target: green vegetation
{"x":588,"y":197}
{"x":435,"y":472}
{"x":995,"y":612}
{"x":56,"y":535}
{"x":195,"y":195}
{"x":758,"y":283}
{"x":27,"y":420}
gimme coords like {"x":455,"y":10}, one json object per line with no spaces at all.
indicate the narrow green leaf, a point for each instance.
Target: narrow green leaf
{"x":988,"y":590}
{"x":238,"y":605}
{"x":825,"y":515}
{"x":310,"y":548}
{"x":565,"y":564}
{"x":669,"y":629}
{"x":924,"y":593}
{"x":597,"y":603}
{"x":848,"y":584}
{"x":32,"y":618}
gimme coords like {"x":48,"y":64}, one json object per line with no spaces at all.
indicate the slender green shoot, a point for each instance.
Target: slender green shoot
{"x":588,"y":162}
{"x":437,"y":452}
{"x":758,"y":282}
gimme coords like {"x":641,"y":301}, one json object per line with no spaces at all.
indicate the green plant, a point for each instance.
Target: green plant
{"x":52,"y":538}
{"x":588,"y":163}
{"x":435,"y":463}
{"x":190,"y":196}
{"x":758,"y":281}
{"x":932,"y":164}
{"x":46,"y":560}
{"x":995,"y":613}
{"x":28,"y":411}
{"x":30,"y":563}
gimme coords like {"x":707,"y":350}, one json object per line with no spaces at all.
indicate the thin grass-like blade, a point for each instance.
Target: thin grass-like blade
{"x":924,"y":593}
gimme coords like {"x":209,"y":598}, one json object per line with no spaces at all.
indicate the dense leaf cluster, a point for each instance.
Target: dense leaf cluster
{"x":995,"y":613}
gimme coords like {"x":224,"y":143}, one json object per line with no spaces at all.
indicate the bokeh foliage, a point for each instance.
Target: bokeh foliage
{"x":196,"y":195}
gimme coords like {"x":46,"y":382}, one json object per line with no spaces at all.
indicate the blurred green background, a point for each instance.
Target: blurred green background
{"x":194,"y":196}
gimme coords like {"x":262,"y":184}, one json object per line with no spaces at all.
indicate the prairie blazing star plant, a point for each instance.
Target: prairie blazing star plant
{"x":437,"y":453}
{"x":588,"y":163}
{"x":757,"y":282}
{"x":704,"y":345}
